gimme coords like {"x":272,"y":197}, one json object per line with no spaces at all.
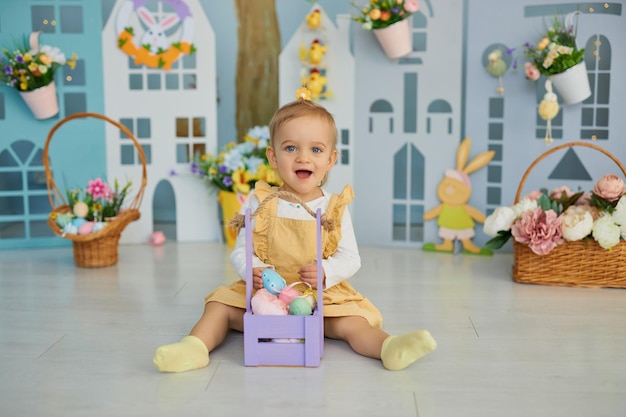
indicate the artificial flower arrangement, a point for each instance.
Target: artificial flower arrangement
{"x":556,"y":50}
{"x":238,"y":166}
{"x":543,"y":220}
{"x":379,"y":14}
{"x":28,"y":69}
{"x":92,"y":207}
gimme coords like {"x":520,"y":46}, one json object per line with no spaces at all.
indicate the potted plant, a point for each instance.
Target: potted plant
{"x":30,"y":69}
{"x":235,"y":170}
{"x":388,"y":20}
{"x":557,"y":56}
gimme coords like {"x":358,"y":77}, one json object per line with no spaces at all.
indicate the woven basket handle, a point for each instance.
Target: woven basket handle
{"x":55,"y":196}
{"x":557,"y":148}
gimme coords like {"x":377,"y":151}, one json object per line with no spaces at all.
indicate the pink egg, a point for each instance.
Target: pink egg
{"x":288,"y":294}
{"x":85,"y":228}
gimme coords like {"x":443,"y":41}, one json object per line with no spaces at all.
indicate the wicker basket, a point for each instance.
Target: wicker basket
{"x":97,"y":249}
{"x":576,"y":264}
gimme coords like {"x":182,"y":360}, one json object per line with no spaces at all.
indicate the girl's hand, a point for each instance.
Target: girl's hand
{"x":308,"y":274}
{"x":257,"y":281}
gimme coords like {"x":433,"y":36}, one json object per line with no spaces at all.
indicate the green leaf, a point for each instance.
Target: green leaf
{"x":499,"y":240}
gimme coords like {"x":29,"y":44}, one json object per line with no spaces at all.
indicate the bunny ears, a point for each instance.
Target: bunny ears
{"x":463,"y":168}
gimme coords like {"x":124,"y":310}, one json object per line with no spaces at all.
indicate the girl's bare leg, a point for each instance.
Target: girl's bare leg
{"x":192,"y":352}
{"x":396,"y":352}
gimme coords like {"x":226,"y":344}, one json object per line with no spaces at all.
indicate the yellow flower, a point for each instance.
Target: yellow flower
{"x":271,"y":176}
{"x":97,"y":207}
{"x":23,"y":86}
{"x":27,"y":57}
{"x":204,"y":156}
{"x":45,"y":59}
{"x":543,"y":44}
{"x":53,"y":216}
{"x":240,"y":181}
{"x":375,"y":14}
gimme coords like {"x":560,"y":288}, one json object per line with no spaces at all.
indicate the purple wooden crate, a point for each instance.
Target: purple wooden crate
{"x":259,"y":331}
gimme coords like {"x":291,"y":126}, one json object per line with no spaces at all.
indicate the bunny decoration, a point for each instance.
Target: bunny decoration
{"x":455,"y":217}
{"x":155,"y":37}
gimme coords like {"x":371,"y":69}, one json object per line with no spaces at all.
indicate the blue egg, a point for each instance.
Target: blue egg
{"x":272,"y":281}
{"x":78,"y":222}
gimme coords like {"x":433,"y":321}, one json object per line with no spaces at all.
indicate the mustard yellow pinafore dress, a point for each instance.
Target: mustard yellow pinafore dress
{"x":288,"y":244}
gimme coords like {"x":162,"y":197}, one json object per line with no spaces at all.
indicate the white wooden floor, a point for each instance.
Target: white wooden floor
{"x":79,"y":342}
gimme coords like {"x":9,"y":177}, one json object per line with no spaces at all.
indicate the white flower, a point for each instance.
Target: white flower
{"x":619,"y":215}
{"x":253,"y":163}
{"x":501,"y":219}
{"x":259,"y":132}
{"x":576,"y":224}
{"x":54,"y":53}
{"x":525,"y":204}
{"x":606,"y":232}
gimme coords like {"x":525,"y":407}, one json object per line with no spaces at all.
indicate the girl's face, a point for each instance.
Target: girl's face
{"x":302,"y":151}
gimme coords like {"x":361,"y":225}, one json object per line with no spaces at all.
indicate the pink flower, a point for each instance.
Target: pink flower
{"x":540,"y":230}
{"x":98,"y":189}
{"x":557,"y":193}
{"x":532,"y":73}
{"x":610,"y":187}
{"x":411,"y":6}
{"x":533,"y":195}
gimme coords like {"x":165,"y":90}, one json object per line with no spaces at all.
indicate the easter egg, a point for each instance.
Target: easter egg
{"x":80,"y":209}
{"x":85,"y":228}
{"x":63,"y":219}
{"x":288,"y":294}
{"x":70,"y":229}
{"x":300,"y":307}
{"x":97,"y":226}
{"x":272,"y":281}
{"x":78,"y":222}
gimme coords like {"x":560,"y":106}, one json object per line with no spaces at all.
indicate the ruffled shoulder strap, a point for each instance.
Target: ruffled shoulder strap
{"x":334,"y":211}
{"x":262,"y":190}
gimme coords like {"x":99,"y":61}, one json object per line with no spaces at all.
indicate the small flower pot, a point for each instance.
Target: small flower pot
{"x":42,"y":101}
{"x":395,"y":39}
{"x":572,"y":84}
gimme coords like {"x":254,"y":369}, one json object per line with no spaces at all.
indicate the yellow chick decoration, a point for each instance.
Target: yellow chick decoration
{"x":316,"y":52}
{"x":316,"y":83}
{"x":548,"y":109}
{"x":314,"y":19}
{"x":496,"y":67}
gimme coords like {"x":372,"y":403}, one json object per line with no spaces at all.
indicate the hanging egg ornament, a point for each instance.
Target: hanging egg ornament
{"x":548,"y":109}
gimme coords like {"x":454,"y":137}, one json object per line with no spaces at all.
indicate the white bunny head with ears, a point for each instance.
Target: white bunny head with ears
{"x":155,"y":34}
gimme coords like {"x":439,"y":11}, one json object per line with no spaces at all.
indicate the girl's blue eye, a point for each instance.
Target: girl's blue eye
{"x":317,"y":150}
{"x":290,"y":148}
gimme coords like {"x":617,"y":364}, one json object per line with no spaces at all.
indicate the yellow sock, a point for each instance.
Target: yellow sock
{"x":398,"y":352}
{"x":190,"y":353}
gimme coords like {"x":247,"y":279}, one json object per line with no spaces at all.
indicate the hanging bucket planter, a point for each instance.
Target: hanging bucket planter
{"x":572,"y":84}
{"x":395,"y":39}
{"x":42,"y":101}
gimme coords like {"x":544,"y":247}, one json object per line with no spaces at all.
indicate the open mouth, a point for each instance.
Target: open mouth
{"x":303,"y":174}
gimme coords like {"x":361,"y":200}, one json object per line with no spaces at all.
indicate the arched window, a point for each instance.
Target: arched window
{"x":439,"y":113}
{"x":381,"y":111}
{"x":408,"y":195}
